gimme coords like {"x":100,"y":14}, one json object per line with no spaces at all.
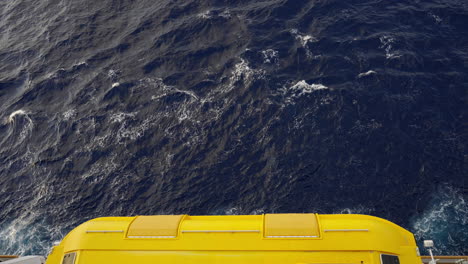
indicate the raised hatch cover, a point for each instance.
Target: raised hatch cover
{"x":156,"y":226}
{"x":291,"y":226}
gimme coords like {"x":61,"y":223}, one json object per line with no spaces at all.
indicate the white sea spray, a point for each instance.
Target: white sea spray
{"x":304,"y":40}
{"x":290,"y":93}
{"x":205,"y":15}
{"x":244,"y":74}
{"x":119,"y":117}
{"x":302,"y":87}
{"x":67,"y":115}
{"x":11,"y":117}
{"x":446,"y":215}
{"x":358,"y":209}
{"x":20,"y":127}
{"x":387,"y":43}
{"x":270,"y":56}
{"x":368,"y":73}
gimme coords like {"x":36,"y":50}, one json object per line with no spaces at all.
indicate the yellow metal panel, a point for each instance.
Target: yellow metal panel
{"x":223,"y":257}
{"x":291,"y":225}
{"x":155,"y":226}
{"x":219,"y":223}
{"x":239,"y":239}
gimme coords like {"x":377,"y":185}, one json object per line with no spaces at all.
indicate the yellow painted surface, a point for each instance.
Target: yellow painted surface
{"x":291,"y":225}
{"x":155,"y":225}
{"x":224,"y":257}
{"x":289,"y":238}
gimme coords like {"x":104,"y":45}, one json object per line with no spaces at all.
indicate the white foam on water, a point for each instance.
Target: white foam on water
{"x":208,"y":14}
{"x":366,"y":125}
{"x":327,"y":99}
{"x":364,"y":74}
{"x":16,"y":113}
{"x":183,"y":114}
{"x":302,"y":38}
{"x":80,"y":63}
{"x":270,"y":56}
{"x":188,"y":110}
{"x":233,"y":211}
{"x":132,"y":133}
{"x":166,"y":90}
{"x":226,"y":14}
{"x":101,"y":169}
{"x":67,"y":115}
{"x":189,"y":93}
{"x":436,"y":18}
{"x":52,"y":75}
{"x":306,"y":39}
{"x":98,"y":141}
{"x":291,"y":93}
{"x":121,"y":116}
{"x":243,"y":72}
{"x":162,"y":90}
{"x":26,"y":232}
{"x":259,"y":211}
{"x":205,"y":15}
{"x":157,"y":85}
{"x":445,"y":217}
{"x":386,"y":44}
{"x":241,"y":76}
{"x":302,"y":87}
{"x":169,"y":159}
{"x":125,"y":130}
{"x":86,"y":126}
{"x":19,"y":230}
{"x":22,"y":130}
{"x":358,"y":209}
{"x":112,"y":74}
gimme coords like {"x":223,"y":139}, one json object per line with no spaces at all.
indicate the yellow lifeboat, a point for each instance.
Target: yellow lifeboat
{"x":269,"y":238}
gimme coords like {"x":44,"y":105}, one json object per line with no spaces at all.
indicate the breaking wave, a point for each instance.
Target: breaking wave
{"x":445,"y":221}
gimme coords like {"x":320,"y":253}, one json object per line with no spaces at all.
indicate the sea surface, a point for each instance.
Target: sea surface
{"x":136,"y":107}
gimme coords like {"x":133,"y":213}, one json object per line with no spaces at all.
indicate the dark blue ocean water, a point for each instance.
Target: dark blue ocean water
{"x":119,"y":107}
